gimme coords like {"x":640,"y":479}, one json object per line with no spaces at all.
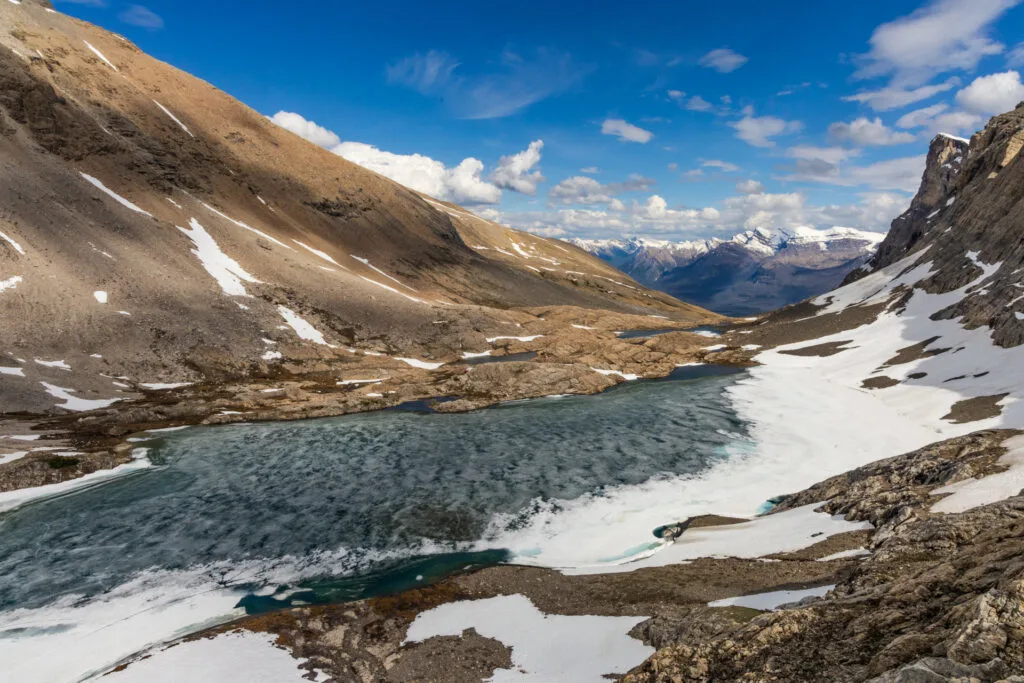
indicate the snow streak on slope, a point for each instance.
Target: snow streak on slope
{"x":224,"y":269}
{"x":121,"y":200}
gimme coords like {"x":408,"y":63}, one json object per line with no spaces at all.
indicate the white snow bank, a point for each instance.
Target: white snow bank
{"x":325,"y":256}
{"x":10,"y":240}
{"x":582,"y":327}
{"x":160,"y":386}
{"x":9,"y":500}
{"x":346,"y":382}
{"x":272,"y":355}
{"x":417,"y":363}
{"x":844,"y":554}
{"x":10,"y":283}
{"x":545,"y":647}
{"x":100,"y":296}
{"x":392,"y":289}
{"x":52,"y":363}
{"x":772,"y":600}
{"x":121,"y":200}
{"x":174,"y":118}
{"x":784,"y":532}
{"x":629,"y":377}
{"x":238,"y":657}
{"x":248,"y":227}
{"x":471,"y":354}
{"x":75,"y":403}
{"x":972,"y":493}
{"x":301,"y":327}
{"x":367,"y":263}
{"x":99,"y":54}
{"x":17,"y":372}
{"x":224,"y":269}
{"x":491,"y":340}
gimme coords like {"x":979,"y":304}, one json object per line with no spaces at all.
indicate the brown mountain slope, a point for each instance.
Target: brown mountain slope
{"x":210,"y":243}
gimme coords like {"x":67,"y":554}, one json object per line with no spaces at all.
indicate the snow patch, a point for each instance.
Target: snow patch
{"x":301,"y":327}
{"x":100,"y":55}
{"x":248,"y":227}
{"x":120,"y":200}
{"x":174,"y":118}
{"x":100,"y":296}
{"x":545,"y":647}
{"x":10,"y":240}
{"x":224,"y":269}
{"x":75,"y":403}
{"x":971,"y":493}
{"x":11,"y":282}
{"x":773,"y":599}
{"x":416,"y":363}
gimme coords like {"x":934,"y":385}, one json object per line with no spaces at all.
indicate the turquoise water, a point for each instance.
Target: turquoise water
{"x":363,"y":504}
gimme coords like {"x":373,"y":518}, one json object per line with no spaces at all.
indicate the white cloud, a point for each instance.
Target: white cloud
{"x":514,"y":172}
{"x":516,"y":83}
{"x":698,"y":103}
{"x":864,"y":132}
{"x":590,"y":169}
{"x":137,"y":15}
{"x":939,"y":119}
{"x":832,"y":155}
{"x":425,"y":73}
{"x":992,"y":94}
{"x":758,"y":131}
{"x":942,"y":36}
{"x":654,"y":217}
{"x":723,"y":166}
{"x":723,"y":60}
{"x":749,"y":187}
{"x":297,"y":124}
{"x":903,"y":174}
{"x":898,"y":96}
{"x":1015,"y":57}
{"x":584,"y":190}
{"x":626,"y":131}
{"x":676,"y":96}
{"x":463,"y":183}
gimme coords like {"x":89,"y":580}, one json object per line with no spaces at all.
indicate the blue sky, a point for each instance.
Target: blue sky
{"x":675,"y":120}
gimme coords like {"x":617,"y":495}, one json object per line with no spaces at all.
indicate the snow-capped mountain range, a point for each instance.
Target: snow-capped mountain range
{"x":751,"y":272}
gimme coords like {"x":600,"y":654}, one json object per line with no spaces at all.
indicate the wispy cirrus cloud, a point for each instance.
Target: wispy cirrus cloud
{"x":626,"y":131}
{"x":138,"y":15}
{"x":520,"y":81}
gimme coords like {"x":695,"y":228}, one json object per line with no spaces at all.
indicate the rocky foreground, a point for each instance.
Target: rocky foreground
{"x":925,"y":595}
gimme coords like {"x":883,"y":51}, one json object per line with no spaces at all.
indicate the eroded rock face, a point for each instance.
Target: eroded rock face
{"x":940,"y":598}
{"x":945,"y":159}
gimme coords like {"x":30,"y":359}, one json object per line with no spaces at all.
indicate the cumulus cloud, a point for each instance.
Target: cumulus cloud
{"x":698,"y":103}
{"x":942,"y":36}
{"x":864,"y":132}
{"x":749,"y":187}
{"x":464,"y":183}
{"x":939,"y":118}
{"x":137,"y":15}
{"x":723,"y":60}
{"x":758,"y":130}
{"x":517,"y":82}
{"x":585,"y":190}
{"x":992,"y":94}
{"x":655,"y":217}
{"x":515,"y":172}
{"x":626,"y":131}
{"x":304,"y":128}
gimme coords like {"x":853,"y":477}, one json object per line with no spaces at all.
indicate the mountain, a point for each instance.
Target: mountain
{"x":154,"y":229}
{"x":755,"y":271}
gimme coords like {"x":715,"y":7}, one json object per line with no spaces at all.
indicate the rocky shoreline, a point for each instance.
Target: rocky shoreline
{"x":577,"y":352}
{"x":922,"y":596}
